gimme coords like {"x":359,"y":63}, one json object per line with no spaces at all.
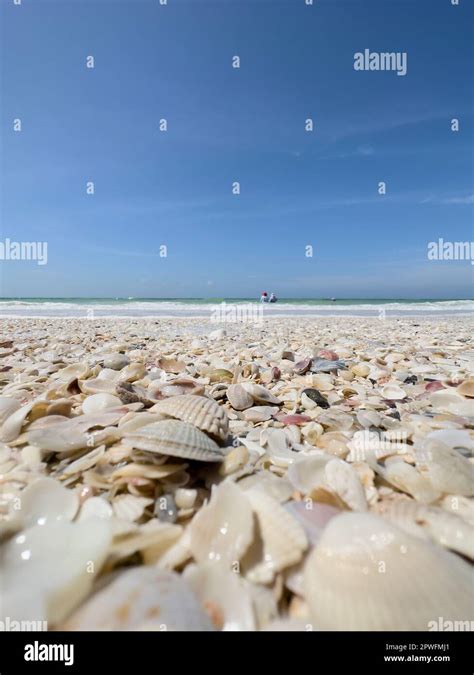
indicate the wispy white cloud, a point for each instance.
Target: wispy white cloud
{"x":458,"y":199}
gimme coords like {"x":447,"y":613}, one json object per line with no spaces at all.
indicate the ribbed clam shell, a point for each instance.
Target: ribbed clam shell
{"x":283,"y":538}
{"x":432,"y":522}
{"x":199,"y":411}
{"x":142,"y":598}
{"x":177,"y":439}
{"x":367,"y":574}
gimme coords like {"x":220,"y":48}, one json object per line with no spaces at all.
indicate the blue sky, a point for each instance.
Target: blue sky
{"x":174,"y":188}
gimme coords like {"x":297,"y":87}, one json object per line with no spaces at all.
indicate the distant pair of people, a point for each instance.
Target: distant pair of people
{"x":264,"y":297}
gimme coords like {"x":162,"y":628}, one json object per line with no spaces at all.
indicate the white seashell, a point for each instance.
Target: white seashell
{"x":177,"y":439}
{"x":393,"y":392}
{"x":307,"y":473}
{"x":222,"y":530}
{"x":452,"y":402}
{"x":448,"y":471}
{"x":361,"y":369}
{"x":95,"y":507}
{"x":151,"y":539}
{"x":312,"y":516}
{"x":185,"y":498}
{"x":8,"y":406}
{"x":217,"y":334}
{"x":452,"y":438}
{"x":54,"y":561}
{"x":431,"y":522}
{"x":260,"y":394}
{"x":142,"y":598}
{"x":223,"y":596}
{"x":406,"y":478}
{"x":283,"y":540}
{"x":279,"y":488}
{"x":116,"y":361}
{"x":202,"y":412}
{"x":460,"y":506}
{"x":261,"y":413}
{"x":11,"y":428}
{"x":96,"y":403}
{"x":369,"y":418}
{"x":364,"y":574}
{"x":343,"y":480}
{"x":238,"y":397}
{"x":234,"y":460}
{"x":130,"y":507}
{"x":46,"y":501}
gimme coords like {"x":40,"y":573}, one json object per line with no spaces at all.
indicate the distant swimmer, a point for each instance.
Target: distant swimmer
{"x":273,"y":297}
{"x":264,"y":297}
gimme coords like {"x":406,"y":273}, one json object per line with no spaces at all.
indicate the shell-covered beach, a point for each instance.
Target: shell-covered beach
{"x":289,"y":474}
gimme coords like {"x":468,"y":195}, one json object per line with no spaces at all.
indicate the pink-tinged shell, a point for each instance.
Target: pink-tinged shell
{"x":434,"y":386}
{"x":303,"y":366}
{"x":276,"y":373}
{"x":293,"y":419}
{"x":328,"y":354}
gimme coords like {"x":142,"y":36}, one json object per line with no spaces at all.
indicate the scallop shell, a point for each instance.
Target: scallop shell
{"x":130,"y":507}
{"x":448,"y":471}
{"x":238,"y":397}
{"x":45,"y":501}
{"x":202,"y":412}
{"x":223,"y":596}
{"x":142,"y":598}
{"x":364,"y":574}
{"x":55,"y":562}
{"x":281,"y":541}
{"x":223,"y":529}
{"x":434,"y":523}
{"x":177,"y":439}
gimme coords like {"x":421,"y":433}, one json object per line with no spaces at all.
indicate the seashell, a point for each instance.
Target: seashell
{"x":129,"y":507}
{"x":220,"y":375}
{"x":271,"y":375}
{"x":393,"y":392}
{"x":260,"y":413}
{"x":11,"y":428}
{"x":132,"y":372}
{"x":98,"y":402}
{"x":434,"y":386}
{"x":7,"y":407}
{"x":327,"y":354}
{"x":151,"y":540}
{"x":312,"y":516}
{"x":185,"y":498}
{"x":171,"y":365}
{"x":452,"y":402}
{"x":293,"y":419}
{"x":238,"y":397}
{"x":142,"y":598}
{"x":234,"y":460}
{"x":364,"y":575}
{"x":221,"y":532}
{"x":45,"y":501}
{"x":177,"y":387}
{"x":406,"y":478}
{"x":447,"y":470}
{"x":369,"y":418}
{"x":302,"y":367}
{"x":316,"y":397}
{"x":361,"y":369}
{"x":343,"y":480}
{"x":326,"y":365}
{"x":116,"y":361}
{"x":72,"y":434}
{"x":217,"y":334}
{"x":95,"y":507}
{"x":260,"y":394}
{"x":202,"y":412}
{"x":269,"y":483}
{"x":466,"y":388}
{"x":460,"y":506}
{"x":223,"y":595}
{"x":283,"y":540}
{"x":177,"y":439}
{"x":132,"y":393}
{"x":53,"y":562}
{"x":434,"y":523}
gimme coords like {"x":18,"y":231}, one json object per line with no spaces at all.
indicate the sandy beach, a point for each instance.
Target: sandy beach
{"x":291,"y":474}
